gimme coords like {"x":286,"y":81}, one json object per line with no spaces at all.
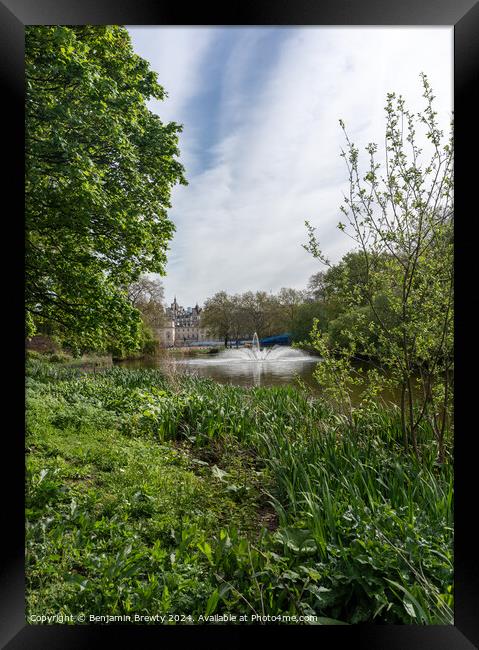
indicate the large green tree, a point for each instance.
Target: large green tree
{"x":289,"y":302}
{"x":260,"y":313}
{"x":218,"y":315}
{"x":99,"y":172}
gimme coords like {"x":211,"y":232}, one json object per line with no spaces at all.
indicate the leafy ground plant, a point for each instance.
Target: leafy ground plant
{"x":192,"y":499}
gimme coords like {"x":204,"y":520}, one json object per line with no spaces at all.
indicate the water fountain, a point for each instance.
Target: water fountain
{"x":255,"y":353}
{"x":253,"y":365}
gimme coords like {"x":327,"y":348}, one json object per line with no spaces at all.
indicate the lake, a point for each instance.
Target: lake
{"x":283,"y":367}
{"x":276,"y":370}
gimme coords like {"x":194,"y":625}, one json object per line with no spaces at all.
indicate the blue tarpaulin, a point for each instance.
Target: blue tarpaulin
{"x":281,"y":339}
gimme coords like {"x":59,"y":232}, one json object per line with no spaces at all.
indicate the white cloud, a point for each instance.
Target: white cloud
{"x":177,"y":55}
{"x":240,"y":222}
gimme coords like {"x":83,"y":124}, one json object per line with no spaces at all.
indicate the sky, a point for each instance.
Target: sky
{"x":261,"y":141}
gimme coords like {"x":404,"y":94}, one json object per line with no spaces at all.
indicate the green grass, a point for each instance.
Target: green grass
{"x":149,"y":495}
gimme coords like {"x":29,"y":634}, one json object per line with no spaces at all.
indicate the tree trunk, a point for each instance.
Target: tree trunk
{"x":403,"y":415}
{"x":412,"y":426}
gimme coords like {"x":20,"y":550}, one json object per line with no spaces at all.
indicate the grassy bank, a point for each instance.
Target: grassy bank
{"x":154,"y":495}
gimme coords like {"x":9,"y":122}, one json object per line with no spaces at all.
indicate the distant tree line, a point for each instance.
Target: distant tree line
{"x":233,"y":317}
{"x":323,"y":303}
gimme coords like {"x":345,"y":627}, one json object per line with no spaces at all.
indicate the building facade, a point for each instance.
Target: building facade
{"x":183,"y":326}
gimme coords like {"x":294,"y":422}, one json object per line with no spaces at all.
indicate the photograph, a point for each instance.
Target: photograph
{"x":240,"y":384}
{"x":239,"y":325}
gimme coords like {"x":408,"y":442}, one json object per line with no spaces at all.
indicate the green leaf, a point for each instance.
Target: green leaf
{"x":212,"y":603}
{"x":219,"y":473}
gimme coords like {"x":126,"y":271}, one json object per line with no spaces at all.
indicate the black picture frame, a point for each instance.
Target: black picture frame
{"x":15,"y":634}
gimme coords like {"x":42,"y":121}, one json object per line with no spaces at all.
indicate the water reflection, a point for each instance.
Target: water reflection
{"x":252,"y":373}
